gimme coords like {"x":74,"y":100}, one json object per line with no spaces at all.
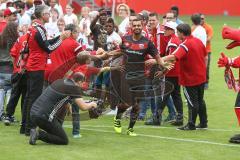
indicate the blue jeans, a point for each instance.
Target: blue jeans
{"x":170,"y":106}
{"x":75,"y":119}
{"x":146,"y":102}
{"x":5,"y":90}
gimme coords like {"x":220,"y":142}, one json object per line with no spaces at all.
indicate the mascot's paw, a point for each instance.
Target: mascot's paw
{"x":223,"y":61}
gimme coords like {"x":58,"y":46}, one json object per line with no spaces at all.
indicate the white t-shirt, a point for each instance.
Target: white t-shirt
{"x":52,"y":30}
{"x":114,"y":37}
{"x":25,"y":19}
{"x":70,"y":19}
{"x":123,"y":26}
{"x":85,"y":26}
{"x":200,"y":33}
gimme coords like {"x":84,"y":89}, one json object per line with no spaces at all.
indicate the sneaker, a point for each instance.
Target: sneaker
{"x":202,"y":126}
{"x":235,"y":139}
{"x":187,"y":128}
{"x":117,"y":125}
{"x":77,"y":136}
{"x":22,"y":129}
{"x":178,"y":121}
{"x":153,"y":121}
{"x":33,"y":136}
{"x":206,"y":86}
{"x":130,"y":132}
{"x":7,"y":121}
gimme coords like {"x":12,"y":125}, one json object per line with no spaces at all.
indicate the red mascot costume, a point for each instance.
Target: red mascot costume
{"x":224,"y":61}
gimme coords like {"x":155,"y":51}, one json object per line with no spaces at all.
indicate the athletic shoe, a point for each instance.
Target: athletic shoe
{"x":33,"y":136}
{"x":7,"y":121}
{"x":202,"y":126}
{"x":117,"y":125}
{"x":178,"y":121}
{"x":77,"y":136}
{"x":187,"y":128}
{"x":130,"y":132}
{"x":153,"y":121}
{"x":235,"y":139}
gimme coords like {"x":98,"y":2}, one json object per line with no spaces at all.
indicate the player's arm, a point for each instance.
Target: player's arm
{"x":83,"y":105}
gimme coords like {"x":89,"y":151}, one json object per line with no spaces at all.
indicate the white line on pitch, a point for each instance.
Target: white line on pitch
{"x":159,"y":127}
{"x":169,"y":138}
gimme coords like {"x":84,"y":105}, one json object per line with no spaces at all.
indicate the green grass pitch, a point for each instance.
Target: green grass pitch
{"x":99,"y":142}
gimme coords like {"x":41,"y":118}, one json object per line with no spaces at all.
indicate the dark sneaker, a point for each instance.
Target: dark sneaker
{"x":33,"y":136}
{"x":235,"y":139}
{"x":22,"y":130}
{"x":187,"y":128}
{"x":27,"y":132}
{"x":153,"y":121}
{"x":177,"y":123}
{"x":202,"y":126}
{"x":7,"y":121}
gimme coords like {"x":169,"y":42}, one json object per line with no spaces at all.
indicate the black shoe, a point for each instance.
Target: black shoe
{"x":27,"y":132}
{"x":22,"y":130}
{"x":7,"y":121}
{"x":177,"y":123}
{"x":235,"y":139}
{"x":202,"y":126}
{"x":153,"y":121}
{"x":187,"y":128}
{"x":33,"y":136}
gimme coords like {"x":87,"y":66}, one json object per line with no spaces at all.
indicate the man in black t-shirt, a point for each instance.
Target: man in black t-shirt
{"x":134,"y":49}
{"x":48,"y":110}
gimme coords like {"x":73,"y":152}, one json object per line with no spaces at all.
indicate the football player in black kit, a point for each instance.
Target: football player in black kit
{"x":133,"y":49}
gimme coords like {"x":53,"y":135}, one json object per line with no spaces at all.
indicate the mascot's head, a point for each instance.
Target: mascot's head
{"x":232,"y":34}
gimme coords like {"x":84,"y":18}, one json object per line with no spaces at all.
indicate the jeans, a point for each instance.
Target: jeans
{"x":19,"y":88}
{"x":75,"y":119}
{"x":5,"y":90}
{"x":146,"y":102}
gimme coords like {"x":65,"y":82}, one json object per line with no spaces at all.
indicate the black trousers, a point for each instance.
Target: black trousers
{"x":19,"y":88}
{"x":176,"y":96}
{"x":35,"y":81}
{"x":51,"y":132}
{"x":196,"y":104}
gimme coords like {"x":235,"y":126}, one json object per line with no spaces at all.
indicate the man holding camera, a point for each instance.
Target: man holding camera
{"x":49,"y":109}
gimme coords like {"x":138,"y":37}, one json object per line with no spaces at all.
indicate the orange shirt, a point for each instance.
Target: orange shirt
{"x":209,"y":31}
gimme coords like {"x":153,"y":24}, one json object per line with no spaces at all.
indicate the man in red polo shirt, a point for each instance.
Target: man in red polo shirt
{"x":192,"y":57}
{"x":39,"y":48}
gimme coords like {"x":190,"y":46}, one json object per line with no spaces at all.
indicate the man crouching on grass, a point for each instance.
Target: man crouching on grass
{"x":45,"y":110}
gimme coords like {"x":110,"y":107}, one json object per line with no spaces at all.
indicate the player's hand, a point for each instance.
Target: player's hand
{"x":93,"y":105}
{"x":65,"y":34}
{"x":150,"y":62}
{"x":223,"y":61}
{"x":100,"y":51}
{"x":168,"y":65}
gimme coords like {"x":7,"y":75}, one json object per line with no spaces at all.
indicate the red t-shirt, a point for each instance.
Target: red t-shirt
{"x":65,"y":55}
{"x":15,"y":53}
{"x":170,"y":48}
{"x":3,"y":24}
{"x":191,"y":55}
